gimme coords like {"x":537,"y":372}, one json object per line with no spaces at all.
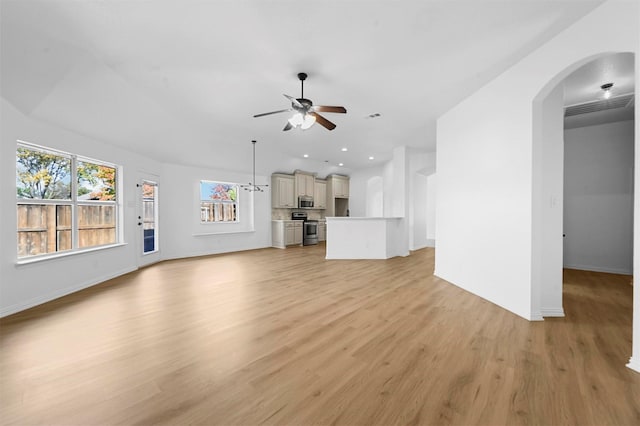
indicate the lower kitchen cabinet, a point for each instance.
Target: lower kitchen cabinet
{"x":286,"y":233}
{"x":294,"y":232}
{"x":322,"y":231}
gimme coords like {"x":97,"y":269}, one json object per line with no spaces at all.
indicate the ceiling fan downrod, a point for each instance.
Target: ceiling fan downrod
{"x":302,"y":76}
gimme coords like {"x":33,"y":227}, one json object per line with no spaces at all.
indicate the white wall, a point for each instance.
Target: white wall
{"x":387,"y":188}
{"x":418,"y":217}
{"x":431,"y":210}
{"x":546,"y":260}
{"x":634,"y":361}
{"x":422,"y":165}
{"x":182,"y":233}
{"x":374,"y":197}
{"x":358,"y":186}
{"x":484,"y":216}
{"x":26,"y":285}
{"x":598,"y":198}
{"x":403,"y":183}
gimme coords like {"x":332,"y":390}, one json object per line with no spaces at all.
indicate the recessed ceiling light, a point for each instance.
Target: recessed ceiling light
{"x":306,"y":156}
{"x":341,"y":164}
{"x":371,"y":158}
{"x":344,"y":150}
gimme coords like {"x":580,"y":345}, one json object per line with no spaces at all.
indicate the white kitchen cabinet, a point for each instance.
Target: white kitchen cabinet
{"x":282,"y":192}
{"x":298,"y":232}
{"x":340,"y":187}
{"x":278,"y":234}
{"x":320,"y":194}
{"x":305,"y":184}
{"x":322,"y":231}
{"x":294,"y":232}
{"x":289,"y":235}
{"x":286,"y":233}
{"x":337,"y":195}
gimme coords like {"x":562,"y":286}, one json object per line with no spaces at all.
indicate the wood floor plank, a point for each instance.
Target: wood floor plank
{"x":287,"y":337}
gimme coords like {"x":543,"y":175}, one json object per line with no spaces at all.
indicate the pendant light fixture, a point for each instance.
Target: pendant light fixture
{"x":252,"y":187}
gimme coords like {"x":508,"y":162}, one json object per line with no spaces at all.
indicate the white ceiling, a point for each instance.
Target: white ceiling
{"x":180,"y":80}
{"x":583,"y":85}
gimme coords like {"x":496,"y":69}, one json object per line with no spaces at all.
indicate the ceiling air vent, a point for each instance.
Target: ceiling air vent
{"x":623,"y":101}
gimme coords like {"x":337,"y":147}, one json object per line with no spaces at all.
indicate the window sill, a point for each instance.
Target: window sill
{"x":45,"y":257}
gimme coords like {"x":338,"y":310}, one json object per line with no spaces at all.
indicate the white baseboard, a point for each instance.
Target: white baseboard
{"x":10,"y":310}
{"x":599,"y":269}
{"x":634,"y":364}
{"x":552,"y":312}
{"x":536,"y":316}
{"x":431,"y":243}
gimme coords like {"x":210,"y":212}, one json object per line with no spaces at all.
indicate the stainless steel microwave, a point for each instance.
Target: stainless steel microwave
{"x":305,"y":202}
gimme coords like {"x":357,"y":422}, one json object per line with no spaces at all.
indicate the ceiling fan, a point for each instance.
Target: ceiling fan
{"x":306,"y":113}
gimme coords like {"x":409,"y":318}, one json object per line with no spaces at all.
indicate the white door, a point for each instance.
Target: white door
{"x":147,"y":221}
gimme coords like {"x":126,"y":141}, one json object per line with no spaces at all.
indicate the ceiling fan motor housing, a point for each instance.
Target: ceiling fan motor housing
{"x":306,"y":104}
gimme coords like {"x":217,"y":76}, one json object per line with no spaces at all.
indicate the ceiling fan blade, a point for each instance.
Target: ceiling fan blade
{"x":324,"y":108}
{"x":287,"y":127}
{"x":294,"y":100}
{"x":272,"y":112}
{"x":323,"y":121}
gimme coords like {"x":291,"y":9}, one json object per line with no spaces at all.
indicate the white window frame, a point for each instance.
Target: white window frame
{"x":236,"y":202}
{"x":74,"y":203}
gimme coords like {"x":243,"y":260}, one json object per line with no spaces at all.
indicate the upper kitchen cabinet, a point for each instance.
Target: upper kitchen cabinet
{"x":282,"y":191}
{"x":320,"y":194}
{"x":337,"y":196}
{"x":305,"y":184}
{"x":338,"y":186}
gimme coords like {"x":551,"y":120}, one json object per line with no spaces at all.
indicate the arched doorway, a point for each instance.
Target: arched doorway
{"x":548,"y":194}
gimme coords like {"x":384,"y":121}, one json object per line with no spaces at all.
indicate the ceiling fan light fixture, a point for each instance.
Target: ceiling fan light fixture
{"x":309,"y":120}
{"x":296,"y":120}
{"x":304,"y":121}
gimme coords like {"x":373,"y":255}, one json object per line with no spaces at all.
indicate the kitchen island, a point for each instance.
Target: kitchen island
{"x":366,"y":237}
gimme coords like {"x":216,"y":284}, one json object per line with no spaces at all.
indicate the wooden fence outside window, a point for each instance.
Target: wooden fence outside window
{"x":46,"y":228}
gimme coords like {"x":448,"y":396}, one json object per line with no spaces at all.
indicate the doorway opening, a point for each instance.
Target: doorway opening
{"x":599,"y":166}
{"x":594,"y":176}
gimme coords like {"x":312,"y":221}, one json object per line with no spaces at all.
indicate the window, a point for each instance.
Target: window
{"x":64,"y":202}
{"x":218,"y":202}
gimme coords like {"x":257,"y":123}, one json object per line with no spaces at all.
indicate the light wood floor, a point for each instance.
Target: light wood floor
{"x":285,"y":337}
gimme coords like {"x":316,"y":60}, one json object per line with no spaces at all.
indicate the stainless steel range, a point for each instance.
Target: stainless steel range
{"x":309,"y":228}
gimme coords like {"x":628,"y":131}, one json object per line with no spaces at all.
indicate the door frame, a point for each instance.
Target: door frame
{"x":145,"y":259}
